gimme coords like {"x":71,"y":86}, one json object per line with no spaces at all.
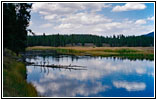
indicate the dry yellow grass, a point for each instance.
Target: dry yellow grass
{"x":142,"y":49}
{"x":125,"y":52}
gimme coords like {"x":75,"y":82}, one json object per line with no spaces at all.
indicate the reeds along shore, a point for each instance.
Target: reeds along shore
{"x":123,"y":52}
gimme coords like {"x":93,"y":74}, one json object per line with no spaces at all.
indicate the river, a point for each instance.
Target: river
{"x":98,"y":76}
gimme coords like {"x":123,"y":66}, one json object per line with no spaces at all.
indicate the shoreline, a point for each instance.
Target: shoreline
{"x":123,"y":52}
{"x":14,"y":77}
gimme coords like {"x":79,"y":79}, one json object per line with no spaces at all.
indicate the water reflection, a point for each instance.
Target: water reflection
{"x":104,"y":77}
{"x":130,"y":86}
{"x":50,"y":86}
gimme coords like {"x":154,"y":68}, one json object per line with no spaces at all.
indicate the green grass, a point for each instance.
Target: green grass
{"x":68,"y":51}
{"x":121,"y":51}
{"x":14,"y":82}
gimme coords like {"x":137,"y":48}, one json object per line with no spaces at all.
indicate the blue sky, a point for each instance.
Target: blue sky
{"x":92,"y":18}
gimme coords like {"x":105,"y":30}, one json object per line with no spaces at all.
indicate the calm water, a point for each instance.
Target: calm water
{"x":101,"y":77}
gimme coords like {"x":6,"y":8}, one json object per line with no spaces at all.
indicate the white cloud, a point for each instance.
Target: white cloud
{"x":141,"y":21}
{"x":151,"y":18}
{"x":64,"y":26}
{"x":85,"y":19}
{"x":130,"y":86}
{"x":37,"y":6}
{"x":101,"y":25}
{"x":67,"y":8}
{"x":30,"y":23}
{"x":82,"y":18}
{"x":46,"y":25}
{"x":96,"y":6}
{"x":50,"y":17}
{"x":43,"y":12}
{"x":129,"y":6}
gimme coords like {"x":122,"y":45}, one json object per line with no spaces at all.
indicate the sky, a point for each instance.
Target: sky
{"x":103,"y":19}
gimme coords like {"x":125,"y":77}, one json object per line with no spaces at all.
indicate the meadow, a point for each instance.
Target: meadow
{"x":123,"y":52}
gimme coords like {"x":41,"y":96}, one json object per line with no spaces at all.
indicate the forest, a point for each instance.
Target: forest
{"x":90,"y":40}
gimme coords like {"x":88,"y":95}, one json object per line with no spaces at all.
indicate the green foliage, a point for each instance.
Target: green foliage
{"x":14,"y":83}
{"x":68,"y":51}
{"x":135,"y":56}
{"x":82,"y":40}
{"x":121,"y":51}
{"x":15,"y":22}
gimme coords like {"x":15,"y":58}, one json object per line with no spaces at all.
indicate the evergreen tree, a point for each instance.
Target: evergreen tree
{"x":62,"y":40}
{"x":16,"y":19}
{"x":9,"y":29}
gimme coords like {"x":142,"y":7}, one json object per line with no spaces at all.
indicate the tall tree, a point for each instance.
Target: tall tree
{"x":23,"y":18}
{"x":9,"y":22}
{"x":16,"y":19}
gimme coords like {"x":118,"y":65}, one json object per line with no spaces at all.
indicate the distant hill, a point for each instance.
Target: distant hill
{"x":149,"y":34}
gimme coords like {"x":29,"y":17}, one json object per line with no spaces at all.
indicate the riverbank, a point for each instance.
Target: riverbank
{"x":123,"y":52}
{"x":14,"y":77}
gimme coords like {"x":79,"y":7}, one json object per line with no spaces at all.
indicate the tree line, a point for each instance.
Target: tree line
{"x":16,"y":17}
{"x":81,"y":40}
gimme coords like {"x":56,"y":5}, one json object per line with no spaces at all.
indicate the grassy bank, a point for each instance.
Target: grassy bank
{"x":14,"y":73}
{"x":123,"y":52}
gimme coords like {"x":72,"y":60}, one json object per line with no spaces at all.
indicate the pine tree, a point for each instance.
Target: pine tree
{"x":16,"y":20}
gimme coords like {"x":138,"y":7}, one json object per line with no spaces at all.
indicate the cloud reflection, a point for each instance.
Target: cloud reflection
{"x":130,"y":86}
{"x":67,"y":87}
{"x":98,"y":68}
{"x":65,"y":83}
